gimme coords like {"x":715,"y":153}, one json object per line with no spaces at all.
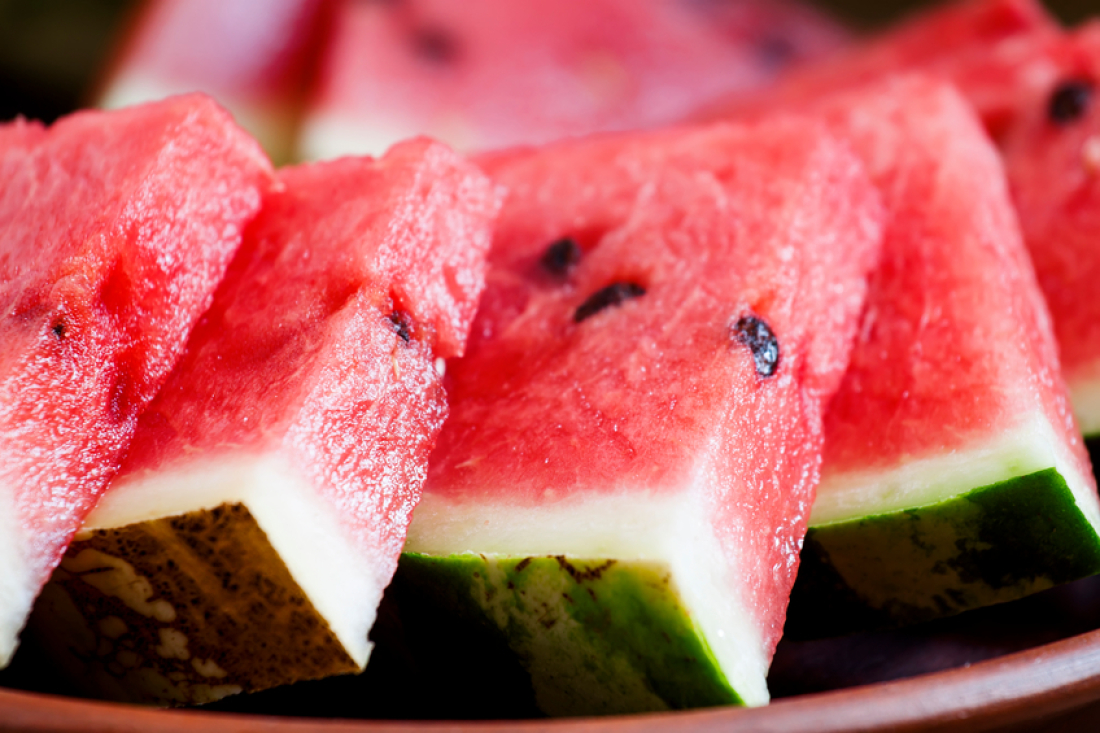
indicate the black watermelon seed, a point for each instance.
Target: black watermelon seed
{"x":1069,"y":101}
{"x":435,"y":46}
{"x":561,"y":256}
{"x":613,"y":294}
{"x":758,"y":336}
{"x":776,"y":52}
{"x":399,"y":321}
{"x":59,"y":330}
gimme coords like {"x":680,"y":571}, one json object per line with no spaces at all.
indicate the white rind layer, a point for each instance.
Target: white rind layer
{"x":339,"y":580}
{"x":1031,"y":447}
{"x":1085,"y":396}
{"x":271,"y":128}
{"x":671,"y":529}
{"x":17,"y":586}
{"x":327,"y":135}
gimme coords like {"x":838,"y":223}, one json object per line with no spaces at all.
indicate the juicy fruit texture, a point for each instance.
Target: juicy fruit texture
{"x":991,"y":49}
{"x":254,"y":56}
{"x":309,"y":396}
{"x":619,"y":439}
{"x":1052,"y":157}
{"x":952,"y":424}
{"x":114,"y":230}
{"x":493,"y":73}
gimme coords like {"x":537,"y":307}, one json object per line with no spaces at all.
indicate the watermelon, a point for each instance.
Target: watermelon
{"x":993,"y":50}
{"x":1052,"y":156}
{"x":255,"y":56}
{"x":493,"y":73}
{"x":114,"y":230}
{"x":595,"y":497}
{"x":954,"y":474}
{"x":262,"y":507}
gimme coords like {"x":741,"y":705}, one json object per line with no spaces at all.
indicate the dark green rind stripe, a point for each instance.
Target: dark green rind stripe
{"x":993,"y":544}
{"x":595,"y":636}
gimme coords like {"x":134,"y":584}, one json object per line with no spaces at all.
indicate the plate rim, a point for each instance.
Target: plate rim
{"x":1016,"y":688}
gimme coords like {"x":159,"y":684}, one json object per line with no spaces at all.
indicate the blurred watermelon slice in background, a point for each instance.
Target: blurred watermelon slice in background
{"x":256,"y":58}
{"x":482,"y":74}
{"x":983,"y":46}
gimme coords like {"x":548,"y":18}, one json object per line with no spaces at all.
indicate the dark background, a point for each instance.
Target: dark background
{"x":51,"y":51}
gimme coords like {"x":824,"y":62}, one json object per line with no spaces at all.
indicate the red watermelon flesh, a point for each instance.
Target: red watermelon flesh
{"x":619,"y":437}
{"x":953,"y":405}
{"x":991,"y":49}
{"x":116,"y":227}
{"x":306,"y":403}
{"x":1052,"y":155}
{"x":493,"y":73}
{"x":254,"y":56}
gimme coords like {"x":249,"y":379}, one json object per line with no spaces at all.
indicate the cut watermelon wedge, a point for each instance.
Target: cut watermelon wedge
{"x":621,"y":488}
{"x":264,"y":503}
{"x":483,"y":74}
{"x":254,"y":56}
{"x":954,"y":473}
{"x":114,"y":230}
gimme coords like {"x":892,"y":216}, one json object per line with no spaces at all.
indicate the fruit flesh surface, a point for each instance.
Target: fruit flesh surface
{"x":493,"y":73}
{"x":116,"y":229}
{"x":643,"y":403}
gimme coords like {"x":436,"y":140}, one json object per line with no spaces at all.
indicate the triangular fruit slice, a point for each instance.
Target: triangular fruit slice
{"x":115,"y":229}
{"x":483,"y":74}
{"x":634,"y":444}
{"x":1052,"y":156}
{"x":255,"y":56}
{"x":264,"y":503}
{"x":954,"y":473}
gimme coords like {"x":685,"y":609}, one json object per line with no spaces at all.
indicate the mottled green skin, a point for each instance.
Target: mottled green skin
{"x":595,"y":636}
{"x":993,"y":544}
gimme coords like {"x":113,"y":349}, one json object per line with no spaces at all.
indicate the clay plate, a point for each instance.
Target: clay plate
{"x":1029,"y":665}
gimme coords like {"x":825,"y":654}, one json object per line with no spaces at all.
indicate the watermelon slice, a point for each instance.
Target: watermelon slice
{"x":954,"y":474}
{"x":993,"y":50}
{"x":493,"y":73}
{"x":653,"y":300}
{"x":1052,"y":155}
{"x":114,"y":230}
{"x":255,"y":56}
{"x":263,"y":505}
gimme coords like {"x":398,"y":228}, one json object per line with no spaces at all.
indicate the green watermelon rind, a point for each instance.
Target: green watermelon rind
{"x":617,"y":627}
{"x":992,"y":544}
